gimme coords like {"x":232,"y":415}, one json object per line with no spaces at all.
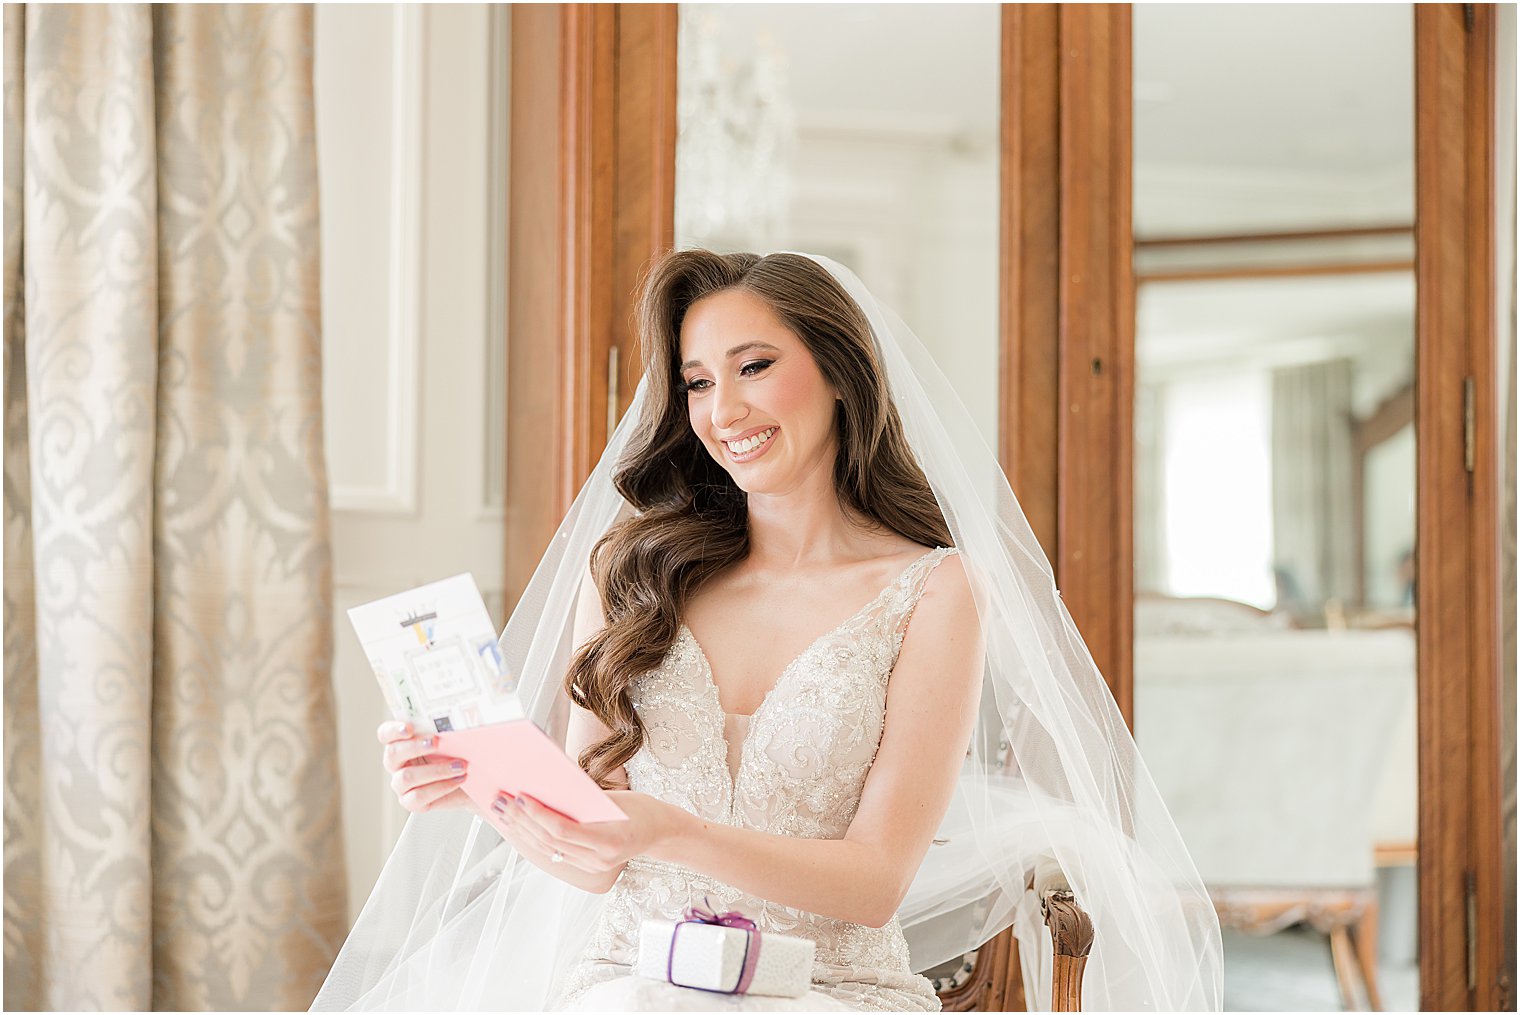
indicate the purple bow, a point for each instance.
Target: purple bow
{"x":733,"y":918}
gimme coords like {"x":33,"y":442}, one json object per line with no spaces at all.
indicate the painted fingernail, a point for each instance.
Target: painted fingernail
{"x":499,"y":805}
{"x":518,"y":803}
{"x":457,"y":766}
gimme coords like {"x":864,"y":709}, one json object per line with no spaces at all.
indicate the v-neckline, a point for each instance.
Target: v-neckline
{"x":712,"y":679}
{"x":734,"y":773}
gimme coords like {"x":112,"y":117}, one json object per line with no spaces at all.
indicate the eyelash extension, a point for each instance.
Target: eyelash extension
{"x":682,"y":387}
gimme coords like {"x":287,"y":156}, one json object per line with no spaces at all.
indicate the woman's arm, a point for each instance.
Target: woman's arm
{"x":862,"y":878}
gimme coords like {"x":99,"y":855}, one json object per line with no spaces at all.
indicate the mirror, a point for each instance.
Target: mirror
{"x":1274,"y":529}
{"x":793,"y":135}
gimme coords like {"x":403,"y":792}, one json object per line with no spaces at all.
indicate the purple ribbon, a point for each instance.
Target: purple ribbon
{"x":733,"y":918}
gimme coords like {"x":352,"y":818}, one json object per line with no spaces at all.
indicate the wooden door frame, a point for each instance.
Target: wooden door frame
{"x":1067,"y":309}
{"x":592,"y":202}
{"x":1082,"y":328}
{"x":1459,"y":474}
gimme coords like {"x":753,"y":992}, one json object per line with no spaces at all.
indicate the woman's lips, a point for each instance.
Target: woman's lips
{"x":750,"y":456}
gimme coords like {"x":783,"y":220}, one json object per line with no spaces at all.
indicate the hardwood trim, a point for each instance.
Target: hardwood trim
{"x":1275,"y":271}
{"x":1460,"y":881}
{"x":588,"y":99}
{"x":1096,"y":345}
{"x":1196,"y":239}
{"x":1029,"y":242}
{"x":592,"y":203}
{"x":535,"y":372}
{"x":645,"y":205}
{"x":1393,"y":414}
{"x":620,"y":99}
{"x":1395,"y":854}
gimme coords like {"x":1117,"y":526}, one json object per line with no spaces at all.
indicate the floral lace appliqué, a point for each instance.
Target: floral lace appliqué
{"x":803,"y":765}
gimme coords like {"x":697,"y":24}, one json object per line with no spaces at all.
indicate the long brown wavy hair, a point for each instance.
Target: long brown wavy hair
{"x":694,"y":519}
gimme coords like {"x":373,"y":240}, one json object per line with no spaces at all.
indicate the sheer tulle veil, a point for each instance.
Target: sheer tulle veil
{"x":1052,"y":784}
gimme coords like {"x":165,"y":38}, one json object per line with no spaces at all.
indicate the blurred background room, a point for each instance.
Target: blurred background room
{"x":307,"y":305}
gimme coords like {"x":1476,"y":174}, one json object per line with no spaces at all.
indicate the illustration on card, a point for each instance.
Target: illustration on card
{"x":434,"y":651}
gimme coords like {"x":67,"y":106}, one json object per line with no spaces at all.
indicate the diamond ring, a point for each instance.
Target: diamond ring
{"x":556,"y":857}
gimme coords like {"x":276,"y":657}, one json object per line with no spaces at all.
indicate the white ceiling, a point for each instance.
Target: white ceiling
{"x":1299,"y":91}
{"x":1298,"y":88}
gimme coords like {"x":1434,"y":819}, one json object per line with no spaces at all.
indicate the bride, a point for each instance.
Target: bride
{"x":797,"y":626}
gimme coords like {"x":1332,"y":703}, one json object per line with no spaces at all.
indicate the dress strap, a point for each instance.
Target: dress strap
{"x":912,"y":589}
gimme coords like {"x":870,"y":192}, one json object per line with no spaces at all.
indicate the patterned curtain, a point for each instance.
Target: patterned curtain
{"x":1312,"y":459}
{"x":172,"y":836}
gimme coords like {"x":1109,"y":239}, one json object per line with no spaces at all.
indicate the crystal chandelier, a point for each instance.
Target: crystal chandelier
{"x":735,"y":138}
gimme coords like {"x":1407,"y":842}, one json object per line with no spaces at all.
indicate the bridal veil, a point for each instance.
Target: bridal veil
{"x":1052,"y":778}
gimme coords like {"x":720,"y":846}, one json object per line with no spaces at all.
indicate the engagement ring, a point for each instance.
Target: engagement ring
{"x":556,"y":857}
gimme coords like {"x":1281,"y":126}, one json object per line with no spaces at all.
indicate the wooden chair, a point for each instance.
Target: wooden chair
{"x":990,"y":979}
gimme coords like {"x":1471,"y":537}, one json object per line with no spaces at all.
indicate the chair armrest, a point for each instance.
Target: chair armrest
{"x":1071,"y":933}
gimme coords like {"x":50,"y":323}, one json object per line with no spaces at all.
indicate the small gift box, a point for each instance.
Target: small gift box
{"x":723,"y":952}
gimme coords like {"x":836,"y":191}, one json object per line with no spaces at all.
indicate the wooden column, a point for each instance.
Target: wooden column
{"x":592,"y":202}
{"x":1030,"y":242}
{"x":1067,"y":343}
{"x":1067,"y":309}
{"x":1457,"y":464}
{"x":1094,"y":559}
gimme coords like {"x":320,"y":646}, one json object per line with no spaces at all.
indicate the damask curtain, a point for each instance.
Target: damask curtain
{"x":1312,"y":461}
{"x":172,"y":835}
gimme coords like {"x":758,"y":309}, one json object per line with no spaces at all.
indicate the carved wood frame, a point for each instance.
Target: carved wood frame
{"x":1067,"y":414}
{"x":1462,"y":961}
{"x":592,"y":199}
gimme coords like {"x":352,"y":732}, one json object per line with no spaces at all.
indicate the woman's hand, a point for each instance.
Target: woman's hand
{"x":594,"y":847}
{"x":421,"y":781}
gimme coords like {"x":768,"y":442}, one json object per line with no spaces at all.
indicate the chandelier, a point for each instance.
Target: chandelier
{"x":735,"y":137}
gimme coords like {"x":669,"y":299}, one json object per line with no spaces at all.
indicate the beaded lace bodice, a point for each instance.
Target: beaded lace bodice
{"x":802,"y":764}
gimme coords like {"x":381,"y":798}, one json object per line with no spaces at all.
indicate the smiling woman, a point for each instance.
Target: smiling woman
{"x":831,"y":685}
{"x":748,"y":397}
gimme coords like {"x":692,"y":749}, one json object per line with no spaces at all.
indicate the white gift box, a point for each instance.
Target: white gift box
{"x":711,"y":957}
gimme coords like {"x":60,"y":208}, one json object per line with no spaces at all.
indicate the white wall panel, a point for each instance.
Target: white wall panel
{"x":410,"y":109}
{"x":370,"y":162}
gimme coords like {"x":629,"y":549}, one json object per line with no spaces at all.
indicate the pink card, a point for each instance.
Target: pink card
{"x":518,"y":757}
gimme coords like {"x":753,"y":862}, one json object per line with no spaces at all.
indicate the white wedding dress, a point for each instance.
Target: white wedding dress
{"x":1052,"y":781}
{"x":796,"y":767}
